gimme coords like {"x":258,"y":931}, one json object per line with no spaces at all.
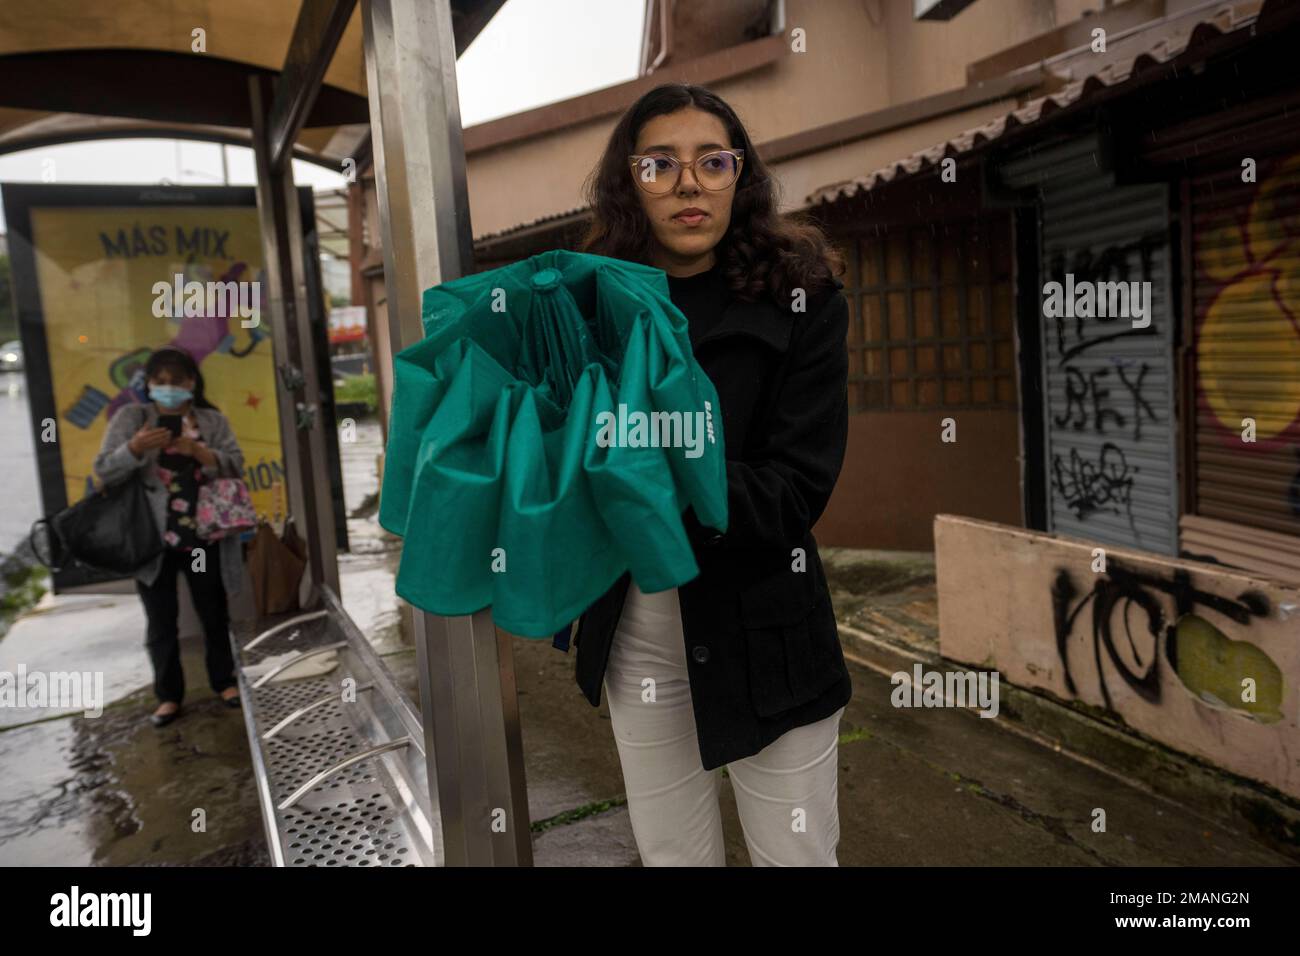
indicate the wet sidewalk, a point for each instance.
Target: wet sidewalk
{"x":935,"y":787}
{"x":917,"y":787}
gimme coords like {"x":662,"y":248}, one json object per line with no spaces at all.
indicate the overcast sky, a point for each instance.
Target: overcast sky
{"x":533,"y":52}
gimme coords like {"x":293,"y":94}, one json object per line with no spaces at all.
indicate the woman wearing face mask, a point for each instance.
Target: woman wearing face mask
{"x":178,"y":441}
{"x":741,"y":666}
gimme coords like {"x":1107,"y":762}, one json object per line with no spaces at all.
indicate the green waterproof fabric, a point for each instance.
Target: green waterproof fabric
{"x":517,"y":468}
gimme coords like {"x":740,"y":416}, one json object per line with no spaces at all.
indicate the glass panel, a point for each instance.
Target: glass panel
{"x":104,"y":317}
{"x":954,"y":391}
{"x":923,"y":313}
{"x":901,"y":393}
{"x":926,"y":358}
{"x":976,"y":325}
{"x":898,"y":361}
{"x":875,"y":394}
{"x":952,"y":358}
{"x":870,"y":263}
{"x":897,"y":317}
{"x":976,"y":266}
{"x":871,"y":325}
{"x":896,"y":258}
{"x":949,"y":257}
{"x":927,"y":392}
{"x":855,"y":322}
{"x":950,"y":311}
{"x":921,"y":251}
{"x":1002,"y":309}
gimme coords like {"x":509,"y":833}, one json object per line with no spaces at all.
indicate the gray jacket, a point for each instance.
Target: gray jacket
{"x":116,"y":461}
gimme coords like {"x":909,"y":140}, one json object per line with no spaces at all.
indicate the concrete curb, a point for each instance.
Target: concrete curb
{"x":1252,"y":809}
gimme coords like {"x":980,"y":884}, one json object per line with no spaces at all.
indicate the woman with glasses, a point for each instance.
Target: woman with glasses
{"x":740,"y":667}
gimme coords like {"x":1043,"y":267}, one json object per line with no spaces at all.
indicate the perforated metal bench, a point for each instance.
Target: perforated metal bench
{"x":339,"y":759}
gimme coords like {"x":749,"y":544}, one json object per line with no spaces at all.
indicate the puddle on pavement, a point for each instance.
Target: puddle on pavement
{"x":116,"y":791}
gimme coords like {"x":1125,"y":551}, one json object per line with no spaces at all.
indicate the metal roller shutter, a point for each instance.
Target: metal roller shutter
{"x":1109,"y":388}
{"x":1245,"y":266}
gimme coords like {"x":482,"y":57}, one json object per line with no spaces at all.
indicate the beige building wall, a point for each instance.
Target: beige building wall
{"x":1190,"y":682}
{"x":928,"y":57}
{"x":861,"y":56}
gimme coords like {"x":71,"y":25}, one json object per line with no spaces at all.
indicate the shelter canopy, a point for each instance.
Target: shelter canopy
{"x":72,"y":70}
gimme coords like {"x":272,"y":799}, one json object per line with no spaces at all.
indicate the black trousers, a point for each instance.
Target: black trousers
{"x":161,"y":607}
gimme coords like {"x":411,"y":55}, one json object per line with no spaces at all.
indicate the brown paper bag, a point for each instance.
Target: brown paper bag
{"x":276,"y":572}
{"x":306,"y":590}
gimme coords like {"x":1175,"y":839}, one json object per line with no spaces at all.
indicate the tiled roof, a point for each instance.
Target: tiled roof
{"x":520,"y":227}
{"x":1084,"y":74}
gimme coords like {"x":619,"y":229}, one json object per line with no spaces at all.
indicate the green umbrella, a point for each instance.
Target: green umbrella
{"x":546,"y":436}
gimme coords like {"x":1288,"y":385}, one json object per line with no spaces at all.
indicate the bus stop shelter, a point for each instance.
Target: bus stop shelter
{"x":349,"y":770}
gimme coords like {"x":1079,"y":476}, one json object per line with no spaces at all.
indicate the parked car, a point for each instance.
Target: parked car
{"x":11,"y":357}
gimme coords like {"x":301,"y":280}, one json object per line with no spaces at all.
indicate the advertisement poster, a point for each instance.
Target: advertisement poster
{"x":102,"y":284}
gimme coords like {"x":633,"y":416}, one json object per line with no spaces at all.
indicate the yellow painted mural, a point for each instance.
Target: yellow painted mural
{"x":1248,"y":340}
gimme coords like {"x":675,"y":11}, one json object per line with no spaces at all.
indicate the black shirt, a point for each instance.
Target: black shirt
{"x":701,"y":298}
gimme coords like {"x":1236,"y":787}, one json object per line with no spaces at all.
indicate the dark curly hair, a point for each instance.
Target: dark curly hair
{"x":762,"y":254}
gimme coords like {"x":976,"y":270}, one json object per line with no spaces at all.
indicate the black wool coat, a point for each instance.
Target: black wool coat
{"x":762,"y":652}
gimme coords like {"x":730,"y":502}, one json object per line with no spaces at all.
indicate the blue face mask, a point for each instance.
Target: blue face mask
{"x":170,"y":396}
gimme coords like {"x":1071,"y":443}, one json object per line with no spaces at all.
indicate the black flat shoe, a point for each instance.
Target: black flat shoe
{"x":162,"y":720}
{"x":231,"y":702}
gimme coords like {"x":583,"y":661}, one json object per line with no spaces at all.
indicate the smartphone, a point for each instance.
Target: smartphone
{"x":172,"y":423}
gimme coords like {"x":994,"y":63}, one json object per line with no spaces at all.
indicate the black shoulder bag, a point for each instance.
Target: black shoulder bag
{"x":112,"y":529}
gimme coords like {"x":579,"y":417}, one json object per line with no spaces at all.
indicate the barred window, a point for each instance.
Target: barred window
{"x":931,"y":313}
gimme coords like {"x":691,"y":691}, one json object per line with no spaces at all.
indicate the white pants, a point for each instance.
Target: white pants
{"x":786,"y":793}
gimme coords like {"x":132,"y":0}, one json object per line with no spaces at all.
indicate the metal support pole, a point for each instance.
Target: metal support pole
{"x":467,"y":686}
{"x":298,"y":399}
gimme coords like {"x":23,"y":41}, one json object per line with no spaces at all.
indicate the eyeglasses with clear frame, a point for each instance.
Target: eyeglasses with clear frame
{"x":715,"y":170}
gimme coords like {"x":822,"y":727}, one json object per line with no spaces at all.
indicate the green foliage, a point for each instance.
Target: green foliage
{"x":22,"y":589}
{"x":358,"y":388}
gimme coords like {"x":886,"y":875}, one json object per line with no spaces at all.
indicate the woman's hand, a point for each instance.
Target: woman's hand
{"x":147,"y":439}
{"x":194,"y":449}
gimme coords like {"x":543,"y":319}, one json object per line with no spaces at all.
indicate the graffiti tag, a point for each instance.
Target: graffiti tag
{"x":1091,"y":486}
{"x":1123,"y":593}
{"x":1110,"y":264}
